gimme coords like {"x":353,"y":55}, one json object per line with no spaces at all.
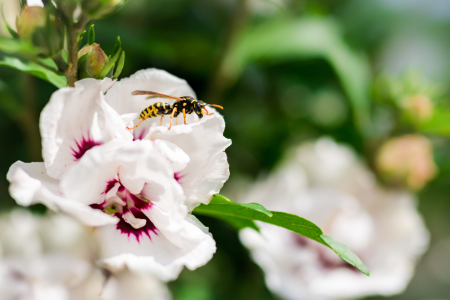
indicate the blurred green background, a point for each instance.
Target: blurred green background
{"x":285,"y":72}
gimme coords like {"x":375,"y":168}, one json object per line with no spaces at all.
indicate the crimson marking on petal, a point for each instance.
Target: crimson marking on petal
{"x":140,"y":136}
{"x":127,"y":229}
{"x":100,"y":206}
{"x":109,"y":185}
{"x":178,"y":176}
{"x":83,"y":146}
{"x":139,"y":203}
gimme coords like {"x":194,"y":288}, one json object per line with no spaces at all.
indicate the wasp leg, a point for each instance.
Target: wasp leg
{"x":160,"y":123}
{"x":171,"y":117}
{"x":176,"y":120}
{"x":136,"y":125}
{"x":207,"y":113}
{"x":184,"y":116}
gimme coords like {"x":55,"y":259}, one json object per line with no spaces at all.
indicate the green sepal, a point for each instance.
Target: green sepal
{"x":119,"y":66}
{"x":91,"y":35}
{"x":117,"y":46}
{"x":80,"y":37}
{"x":109,"y":66}
{"x":10,"y":30}
{"x":82,"y":67}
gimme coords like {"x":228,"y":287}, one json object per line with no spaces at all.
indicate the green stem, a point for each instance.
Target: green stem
{"x":72,"y":57}
{"x":73,"y":32}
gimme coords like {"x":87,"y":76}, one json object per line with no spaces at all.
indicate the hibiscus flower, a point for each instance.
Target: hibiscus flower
{"x":136,"y":187}
{"x":325,"y":183}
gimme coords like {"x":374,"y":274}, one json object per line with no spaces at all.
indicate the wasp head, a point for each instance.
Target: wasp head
{"x":200,"y":108}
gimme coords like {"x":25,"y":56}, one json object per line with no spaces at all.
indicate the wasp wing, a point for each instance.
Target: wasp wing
{"x":153,"y":95}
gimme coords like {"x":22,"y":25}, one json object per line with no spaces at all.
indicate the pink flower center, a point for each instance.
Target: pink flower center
{"x":129,"y":208}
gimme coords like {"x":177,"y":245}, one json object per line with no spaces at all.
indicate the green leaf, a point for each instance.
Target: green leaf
{"x":223,"y":208}
{"x":109,"y":66}
{"x":243,"y":215}
{"x":35,"y":70}
{"x":306,"y":38}
{"x":91,"y":35}
{"x":13,"y":46}
{"x":120,"y":64}
{"x":345,"y":253}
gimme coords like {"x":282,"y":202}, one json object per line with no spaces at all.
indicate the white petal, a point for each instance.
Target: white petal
{"x":75,"y":116}
{"x":176,"y":157}
{"x":120,"y":98}
{"x":205,"y":144}
{"x":35,"y":3}
{"x":30,"y":184}
{"x":135,"y":222}
{"x":159,"y":256}
{"x":135,"y":162}
{"x":179,"y":240}
{"x":127,"y":285}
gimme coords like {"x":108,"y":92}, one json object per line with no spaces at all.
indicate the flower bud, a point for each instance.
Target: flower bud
{"x":43,"y":28}
{"x":419,"y":107}
{"x":407,"y":160}
{"x":91,"y":61}
{"x":98,"y":9}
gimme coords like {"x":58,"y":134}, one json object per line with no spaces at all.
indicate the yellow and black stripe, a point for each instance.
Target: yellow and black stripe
{"x":155,"y":110}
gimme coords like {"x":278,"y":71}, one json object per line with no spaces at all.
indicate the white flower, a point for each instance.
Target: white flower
{"x":137,"y":189}
{"x":132,"y":184}
{"x":78,"y":119}
{"x":325,"y":183}
{"x":127,"y":285}
{"x":53,"y":257}
{"x":45,"y":258}
{"x":35,"y":3}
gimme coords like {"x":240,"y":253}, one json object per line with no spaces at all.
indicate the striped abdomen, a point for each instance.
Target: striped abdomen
{"x":155,"y":110}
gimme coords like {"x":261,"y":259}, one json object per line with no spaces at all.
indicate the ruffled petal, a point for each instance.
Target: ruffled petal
{"x":208,"y":167}
{"x":178,"y":243}
{"x":201,"y":140}
{"x":157,"y":237}
{"x":31,"y":184}
{"x":120,"y":98}
{"x":76,"y":120}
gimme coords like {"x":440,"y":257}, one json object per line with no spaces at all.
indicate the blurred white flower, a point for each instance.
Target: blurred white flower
{"x":53,"y":258}
{"x":46,"y":258}
{"x":127,"y":285}
{"x":35,"y":3}
{"x":137,"y":189}
{"x":325,"y":183}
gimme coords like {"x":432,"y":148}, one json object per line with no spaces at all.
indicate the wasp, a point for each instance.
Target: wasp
{"x":184,"y":104}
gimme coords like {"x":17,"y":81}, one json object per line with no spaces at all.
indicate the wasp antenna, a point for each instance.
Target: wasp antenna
{"x":215,"y":105}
